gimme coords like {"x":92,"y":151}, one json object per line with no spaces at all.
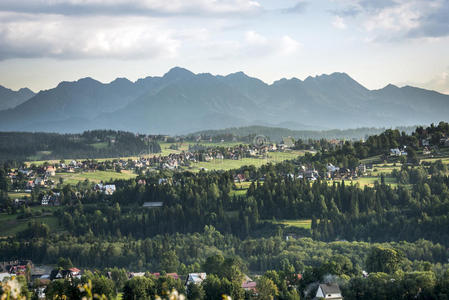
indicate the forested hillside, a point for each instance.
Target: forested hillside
{"x":23,"y":146}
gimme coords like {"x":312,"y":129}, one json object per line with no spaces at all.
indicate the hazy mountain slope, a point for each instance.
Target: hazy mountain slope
{"x":83,"y":99}
{"x":181,"y":102}
{"x":10,"y":99}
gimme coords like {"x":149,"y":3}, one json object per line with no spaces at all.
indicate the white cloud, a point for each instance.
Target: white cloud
{"x":289,"y":46}
{"x":99,"y":37}
{"x":256,"y":44}
{"x":402,"y":17}
{"x":397,"y":19}
{"x":254,"y":38}
{"x":439,"y":83}
{"x":339,"y":22}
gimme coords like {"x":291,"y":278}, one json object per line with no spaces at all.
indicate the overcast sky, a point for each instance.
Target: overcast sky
{"x":43,"y":42}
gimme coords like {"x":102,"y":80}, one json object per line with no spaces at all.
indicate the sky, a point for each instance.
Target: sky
{"x":403,"y":42}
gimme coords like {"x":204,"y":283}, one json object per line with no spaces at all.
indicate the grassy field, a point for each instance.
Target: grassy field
{"x":306,"y":224}
{"x":14,"y":195}
{"x":10,"y":225}
{"x":96,"y":176}
{"x":367,"y":181}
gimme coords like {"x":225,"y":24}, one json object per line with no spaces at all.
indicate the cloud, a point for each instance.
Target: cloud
{"x":99,"y":37}
{"x":256,"y":44}
{"x":298,"y":8}
{"x":253,"y":45}
{"x":398,"y":19}
{"x":339,"y":22}
{"x":132,"y":7}
{"x":439,"y":83}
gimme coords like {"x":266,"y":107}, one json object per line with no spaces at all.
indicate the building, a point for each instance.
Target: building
{"x":195,"y":278}
{"x":152,"y":204}
{"x":248,"y":284}
{"x":328,"y":291}
{"x":109,"y":189}
{"x":50,"y":171}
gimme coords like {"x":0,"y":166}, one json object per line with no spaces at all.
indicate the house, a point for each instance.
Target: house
{"x":52,"y":199}
{"x":362,"y":169}
{"x":152,"y":204}
{"x":397,"y":152}
{"x":39,"y":181}
{"x":248,"y":284}
{"x":426,"y":151}
{"x":311,"y":175}
{"x":5,"y":275}
{"x":50,"y":171}
{"x":75,"y":271}
{"x":328,"y":291}
{"x":331,"y":168}
{"x":195,"y":278}
{"x":446,"y":142}
{"x":109,"y":189}
{"x":63,"y":274}
{"x":239,"y":178}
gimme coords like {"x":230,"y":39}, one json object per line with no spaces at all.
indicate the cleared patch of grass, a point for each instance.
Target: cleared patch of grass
{"x":19,"y":195}
{"x":368,"y":181}
{"x":101,"y":145}
{"x":306,"y":224}
{"x":96,"y":176}
{"x":10,"y":225}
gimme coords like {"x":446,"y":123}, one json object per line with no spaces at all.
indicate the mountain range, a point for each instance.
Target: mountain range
{"x":181,"y":101}
{"x":10,"y":98}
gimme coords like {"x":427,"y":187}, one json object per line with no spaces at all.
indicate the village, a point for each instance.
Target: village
{"x":46,"y":179}
{"x":41,"y":276}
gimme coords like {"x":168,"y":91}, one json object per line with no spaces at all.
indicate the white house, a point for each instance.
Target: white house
{"x":109,"y":189}
{"x":328,"y":291}
{"x":196,"y":278}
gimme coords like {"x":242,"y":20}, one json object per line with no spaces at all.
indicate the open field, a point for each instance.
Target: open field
{"x":10,"y":225}
{"x":371,"y":159}
{"x":444,"y":160}
{"x":19,"y":195}
{"x":95,"y":176}
{"x":367,"y":181}
{"x":306,"y":224}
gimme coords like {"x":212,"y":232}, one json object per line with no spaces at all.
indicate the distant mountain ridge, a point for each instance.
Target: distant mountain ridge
{"x":275,"y":134}
{"x":10,"y":99}
{"x":181,"y":102}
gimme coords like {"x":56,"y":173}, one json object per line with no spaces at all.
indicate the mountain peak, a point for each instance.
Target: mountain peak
{"x":25,"y":90}
{"x":178,"y":73}
{"x":239,"y":74}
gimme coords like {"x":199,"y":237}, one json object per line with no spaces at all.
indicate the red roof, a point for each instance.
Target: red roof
{"x":74,"y":270}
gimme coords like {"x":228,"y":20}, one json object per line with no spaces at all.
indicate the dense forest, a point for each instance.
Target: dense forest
{"x":21,"y":146}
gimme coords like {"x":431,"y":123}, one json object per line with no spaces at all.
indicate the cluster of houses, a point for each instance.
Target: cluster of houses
{"x":46,"y":274}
